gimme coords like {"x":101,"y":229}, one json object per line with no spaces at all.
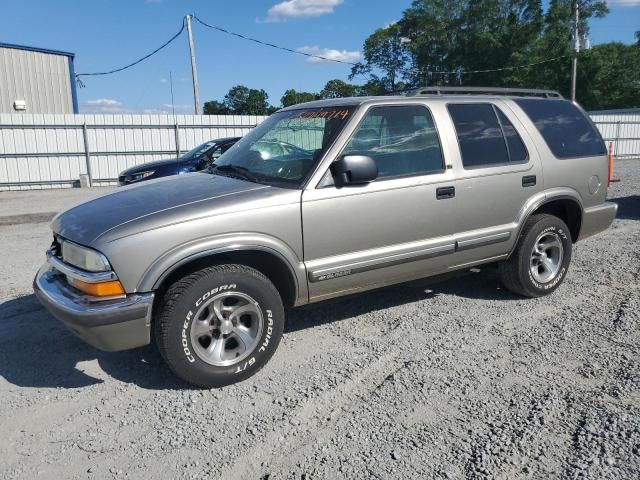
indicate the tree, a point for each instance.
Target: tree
{"x":292,"y":97}
{"x":451,"y":42}
{"x":555,"y":41}
{"x":384,"y":50}
{"x":338,"y":89}
{"x":609,"y":76}
{"x":214,"y":107}
{"x":241,"y":100}
{"x":247,"y":101}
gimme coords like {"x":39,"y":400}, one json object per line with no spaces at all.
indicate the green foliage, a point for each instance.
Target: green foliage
{"x":440,"y":42}
{"x":247,"y":101}
{"x":240,"y":100}
{"x":338,"y":89}
{"x":292,"y":97}
{"x":609,"y":76}
{"x":384,"y":50}
{"x":214,"y":107}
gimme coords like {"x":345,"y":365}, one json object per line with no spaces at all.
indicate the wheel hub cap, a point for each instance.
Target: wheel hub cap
{"x":226,"y":328}
{"x":546,"y":257}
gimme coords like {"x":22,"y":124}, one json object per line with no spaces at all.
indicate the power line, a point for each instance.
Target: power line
{"x":78,"y":75}
{"x":272,"y":45}
{"x":465,"y":72}
{"x":297,"y":52}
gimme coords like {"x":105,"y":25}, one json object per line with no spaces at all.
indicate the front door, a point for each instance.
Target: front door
{"x":399,"y":226}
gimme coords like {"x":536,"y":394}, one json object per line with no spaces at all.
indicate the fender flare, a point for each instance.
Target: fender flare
{"x":179,"y":256}
{"x":542,"y":199}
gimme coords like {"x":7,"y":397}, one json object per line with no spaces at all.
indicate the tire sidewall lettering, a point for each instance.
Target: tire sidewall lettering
{"x":551,"y":285}
{"x":185,"y":338}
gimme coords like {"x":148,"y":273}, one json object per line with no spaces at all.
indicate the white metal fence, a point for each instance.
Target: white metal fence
{"x":622,"y":128}
{"x":52,"y":151}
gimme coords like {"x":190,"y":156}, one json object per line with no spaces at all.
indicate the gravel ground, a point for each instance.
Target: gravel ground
{"x":454,"y":378}
{"x":27,"y":206}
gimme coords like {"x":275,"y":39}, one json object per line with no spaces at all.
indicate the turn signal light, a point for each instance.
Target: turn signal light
{"x":103,"y":289}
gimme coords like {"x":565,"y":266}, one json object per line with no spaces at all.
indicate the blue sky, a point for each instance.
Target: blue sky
{"x":106,"y":34}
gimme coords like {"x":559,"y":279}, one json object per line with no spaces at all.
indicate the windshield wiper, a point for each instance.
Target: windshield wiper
{"x":236,"y":170}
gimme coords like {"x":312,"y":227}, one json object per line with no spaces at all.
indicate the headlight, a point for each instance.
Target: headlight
{"x":84,"y":258}
{"x":136,"y":177}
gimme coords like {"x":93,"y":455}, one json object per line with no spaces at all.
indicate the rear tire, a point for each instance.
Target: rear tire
{"x":541,"y":258}
{"x":219,"y":325}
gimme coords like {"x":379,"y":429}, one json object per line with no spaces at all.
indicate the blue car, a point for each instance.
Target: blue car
{"x":193,"y":161}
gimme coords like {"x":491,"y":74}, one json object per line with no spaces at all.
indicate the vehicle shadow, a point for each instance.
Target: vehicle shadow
{"x":478,"y":283}
{"x":37,"y":351}
{"x":628,"y":207}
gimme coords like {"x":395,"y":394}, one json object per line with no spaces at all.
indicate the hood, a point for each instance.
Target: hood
{"x":150,"y":166}
{"x":166,"y":200}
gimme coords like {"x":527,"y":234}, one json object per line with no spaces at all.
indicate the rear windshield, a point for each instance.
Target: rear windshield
{"x":564,"y":127}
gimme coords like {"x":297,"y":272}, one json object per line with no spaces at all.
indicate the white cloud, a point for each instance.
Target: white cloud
{"x":103,"y":105}
{"x":105,"y":102}
{"x":624,"y":3}
{"x":300,"y":9}
{"x":342,"y":55}
{"x":168,"y":109}
{"x":111,"y":106}
{"x":164,"y":80}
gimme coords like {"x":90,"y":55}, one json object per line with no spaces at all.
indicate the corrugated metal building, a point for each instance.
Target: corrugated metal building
{"x":36,"y":80}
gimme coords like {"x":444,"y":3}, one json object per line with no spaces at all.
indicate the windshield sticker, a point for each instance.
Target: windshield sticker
{"x":326,"y":114}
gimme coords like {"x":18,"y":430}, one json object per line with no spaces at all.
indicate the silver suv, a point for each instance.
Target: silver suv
{"x":326,"y":199}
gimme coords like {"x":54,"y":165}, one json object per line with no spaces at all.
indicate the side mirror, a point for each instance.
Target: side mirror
{"x":354,"y":170}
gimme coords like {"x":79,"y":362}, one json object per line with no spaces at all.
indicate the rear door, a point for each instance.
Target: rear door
{"x":499,"y":171}
{"x":573,"y":147}
{"x":397,"y":227}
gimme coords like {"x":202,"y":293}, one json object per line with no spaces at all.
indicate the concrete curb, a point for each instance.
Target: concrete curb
{"x":27,"y":218}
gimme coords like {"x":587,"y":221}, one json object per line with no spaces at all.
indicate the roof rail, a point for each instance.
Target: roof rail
{"x":510,"y":92}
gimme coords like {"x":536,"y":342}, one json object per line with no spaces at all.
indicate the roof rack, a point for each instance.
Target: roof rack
{"x":510,"y":92}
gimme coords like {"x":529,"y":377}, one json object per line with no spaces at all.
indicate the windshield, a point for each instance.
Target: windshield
{"x":284,"y":149}
{"x":198,"y":151}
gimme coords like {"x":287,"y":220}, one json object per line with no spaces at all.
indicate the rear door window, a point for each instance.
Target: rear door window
{"x":565,"y":128}
{"x":485,"y":135}
{"x":517,"y":150}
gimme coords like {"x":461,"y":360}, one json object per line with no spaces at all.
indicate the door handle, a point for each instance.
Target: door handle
{"x":528,"y":180}
{"x":445,"y":192}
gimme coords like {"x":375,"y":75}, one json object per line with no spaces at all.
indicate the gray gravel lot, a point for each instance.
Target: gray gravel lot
{"x":455,"y":378}
{"x":28,"y":207}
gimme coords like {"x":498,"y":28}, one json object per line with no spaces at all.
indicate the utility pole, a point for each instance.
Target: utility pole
{"x":576,"y":48}
{"x":194,"y":70}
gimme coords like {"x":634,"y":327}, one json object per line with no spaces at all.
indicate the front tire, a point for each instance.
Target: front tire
{"x":541,"y":258}
{"x":219,"y":325}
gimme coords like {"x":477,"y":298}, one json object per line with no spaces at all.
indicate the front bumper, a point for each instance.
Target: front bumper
{"x":110,"y":325}
{"x":597,"y":219}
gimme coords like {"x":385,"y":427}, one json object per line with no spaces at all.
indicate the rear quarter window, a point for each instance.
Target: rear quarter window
{"x":564,"y":127}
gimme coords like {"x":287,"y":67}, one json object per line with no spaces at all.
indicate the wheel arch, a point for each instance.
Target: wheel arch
{"x":568,"y":209}
{"x":565,"y":206}
{"x":269,"y":255}
{"x":270,"y":263}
